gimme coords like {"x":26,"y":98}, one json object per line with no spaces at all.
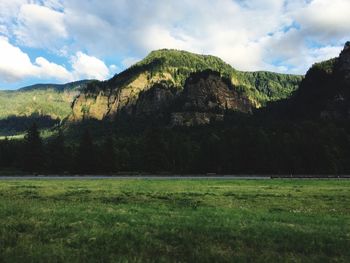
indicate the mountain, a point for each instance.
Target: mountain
{"x":76,"y":85}
{"x":171,"y":69}
{"x":155,"y":84}
{"x":45,"y":103}
{"x":152,"y":118}
{"x":45,"y":99}
{"x":324,"y":93}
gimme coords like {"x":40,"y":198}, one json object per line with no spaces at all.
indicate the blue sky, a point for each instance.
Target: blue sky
{"x":59,"y":41}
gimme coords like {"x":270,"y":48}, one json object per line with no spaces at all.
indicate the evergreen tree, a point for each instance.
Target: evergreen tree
{"x":210,"y":154}
{"x":58,"y":153}
{"x":2,"y":153}
{"x":155,"y":151}
{"x":33,"y":152}
{"x":108,"y":156}
{"x":86,"y":162}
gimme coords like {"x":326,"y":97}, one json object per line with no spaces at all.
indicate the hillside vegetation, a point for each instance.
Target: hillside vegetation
{"x":41,"y":102}
{"x":43,"y":99}
{"x":171,"y":69}
{"x":261,"y":87}
{"x":266,"y":86}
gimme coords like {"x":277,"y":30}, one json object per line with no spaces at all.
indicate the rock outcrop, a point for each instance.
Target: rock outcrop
{"x":106,"y":100}
{"x":206,"y":98}
{"x":207,"y":91}
{"x":170,"y":81}
{"x":155,"y":100}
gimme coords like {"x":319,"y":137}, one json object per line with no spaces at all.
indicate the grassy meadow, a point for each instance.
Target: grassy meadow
{"x":174,"y":220}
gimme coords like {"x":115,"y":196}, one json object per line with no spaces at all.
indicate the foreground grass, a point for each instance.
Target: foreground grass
{"x":177,"y":220}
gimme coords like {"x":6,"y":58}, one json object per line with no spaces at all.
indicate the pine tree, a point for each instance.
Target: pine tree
{"x":58,"y":153}
{"x":155,"y":151}
{"x":2,"y":152}
{"x":86,"y":162}
{"x":108,"y":156}
{"x":33,"y":152}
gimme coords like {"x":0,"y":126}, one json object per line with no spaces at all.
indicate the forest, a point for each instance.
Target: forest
{"x":236,"y":146}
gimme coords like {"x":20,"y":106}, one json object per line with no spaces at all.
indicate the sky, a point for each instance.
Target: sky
{"x":58,"y":41}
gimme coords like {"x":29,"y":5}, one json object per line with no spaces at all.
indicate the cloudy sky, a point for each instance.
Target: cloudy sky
{"x":65,"y":40}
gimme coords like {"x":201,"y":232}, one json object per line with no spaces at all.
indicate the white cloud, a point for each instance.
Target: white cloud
{"x":90,"y":67}
{"x":281,"y":35}
{"x":53,"y":4}
{"x":250,"y":35}
{"x":3,"y":30}
{"x":321,"y":31}
{"x":39,"y":26}
{"x":323,"y":53}
{"x":9,"y":9}
{"x":223,"y":27}
{"x":16,"y":65}
{"x":113,"y":69}
{"x":49,"y":69}
{"x":326,"y":19}
{"x":290,"y":51}
{"x":157,"y":37}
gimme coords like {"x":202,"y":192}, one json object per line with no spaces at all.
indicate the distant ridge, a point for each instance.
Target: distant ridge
{"x":39,"y":102}
{"x":58,"y":87}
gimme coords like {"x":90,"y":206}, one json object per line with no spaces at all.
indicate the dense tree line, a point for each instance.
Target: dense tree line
{"x":249,"y":148}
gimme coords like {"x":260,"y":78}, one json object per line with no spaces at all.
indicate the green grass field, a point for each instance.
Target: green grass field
{"x":175,"y":221}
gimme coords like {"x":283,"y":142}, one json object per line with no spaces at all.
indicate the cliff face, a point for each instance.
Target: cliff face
{"x":206,"y":98}
{"x":156,"y":100}
{"x":209,"y":92}
{"x":90,"y":105}
{"x":104,"y":101}
{"x":157,"y":82}
{"x":147,"y":94}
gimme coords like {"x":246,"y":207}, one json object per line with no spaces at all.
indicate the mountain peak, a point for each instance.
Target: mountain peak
{"x":170,"y":52}
{"x":344,"y":64}
{"x":347,"y":45}
{"x":174,"y":58}
{"x":346,"y":49}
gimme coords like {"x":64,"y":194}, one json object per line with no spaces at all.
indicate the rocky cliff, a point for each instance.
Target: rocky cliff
{"x":206,"y":97}
{"x":165,"y":77}
{"x":106,"y":99}
{"x":207,"y":91}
